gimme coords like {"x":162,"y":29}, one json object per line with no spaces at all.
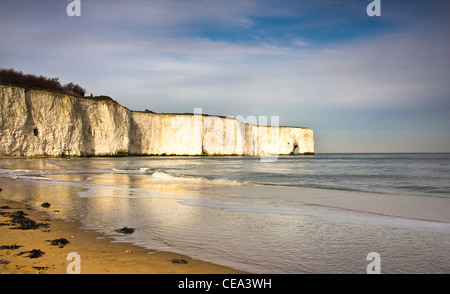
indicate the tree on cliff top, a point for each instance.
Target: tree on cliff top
{"x":11,"y":77}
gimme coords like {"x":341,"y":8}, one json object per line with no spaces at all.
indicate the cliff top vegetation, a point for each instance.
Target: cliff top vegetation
{"x":11,"y":77}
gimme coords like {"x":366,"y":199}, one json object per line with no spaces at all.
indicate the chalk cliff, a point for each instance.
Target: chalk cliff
{"x":41,"y":123}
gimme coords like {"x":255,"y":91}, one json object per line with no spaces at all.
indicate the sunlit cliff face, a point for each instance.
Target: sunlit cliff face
{"x":40,"y":123}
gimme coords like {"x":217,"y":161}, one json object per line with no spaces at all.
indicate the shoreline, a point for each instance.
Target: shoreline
{"x":98,"y":254}
{"x":255,"y":228}
{"x":101,"y":254}
{"x":408,"y":207}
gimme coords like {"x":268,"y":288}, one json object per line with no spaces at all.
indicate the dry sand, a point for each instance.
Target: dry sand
{"x":98,"y":255}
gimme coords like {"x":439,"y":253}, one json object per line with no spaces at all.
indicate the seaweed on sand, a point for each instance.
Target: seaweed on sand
{"x":21,"y":222}
{"x":34,"y":253}
{"x":10,"y":247}
{"x":125,"y":230}
{"x":61,"y":242}
{"x":182,"y":261}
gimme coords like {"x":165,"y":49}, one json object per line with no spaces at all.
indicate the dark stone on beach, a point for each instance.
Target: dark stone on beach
{"x":2,"y":261}
{"x":10,"y":247}
{"x":45,"y":205}
{"x":5,"y":207}
{"x":34,"y":253}
{"x":125,"y":230}
{"x":182,"y":261}
{"x":61,"y":242}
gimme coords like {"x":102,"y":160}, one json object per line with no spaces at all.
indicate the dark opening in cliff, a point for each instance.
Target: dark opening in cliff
{"x":295,"y":151}
{"x":36,"y":132}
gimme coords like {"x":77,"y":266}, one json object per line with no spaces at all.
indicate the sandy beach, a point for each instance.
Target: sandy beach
{"x":98,"y":254}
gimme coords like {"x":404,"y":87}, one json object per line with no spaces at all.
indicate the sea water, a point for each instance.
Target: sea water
{"x":235,"y":211}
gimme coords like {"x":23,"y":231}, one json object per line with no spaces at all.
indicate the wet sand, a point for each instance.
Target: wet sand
{"x":98,"y":254}
{"x":432,"y":209}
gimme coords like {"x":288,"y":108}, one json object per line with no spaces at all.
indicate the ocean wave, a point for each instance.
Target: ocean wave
{"x":16,"y":171}
{"x":36,"y":178}
{"x":24,"y":174}
{"x":141,"y":170}
{"x":163,"y":175}
{"x":158,"y":174}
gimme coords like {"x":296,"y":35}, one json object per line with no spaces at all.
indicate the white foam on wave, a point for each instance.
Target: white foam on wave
{"x":36,"y":178}
{"x":163,"y":175}
{"x":167,"y":176}
{"x":132,"y":170}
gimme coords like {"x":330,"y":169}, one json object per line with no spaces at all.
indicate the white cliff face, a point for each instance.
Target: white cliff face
{"x":168,"y":134}
{"x":40,"y":123}
{"x":37,"y":123}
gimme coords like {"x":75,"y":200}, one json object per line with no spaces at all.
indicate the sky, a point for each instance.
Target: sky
{"x":362,"y":83}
